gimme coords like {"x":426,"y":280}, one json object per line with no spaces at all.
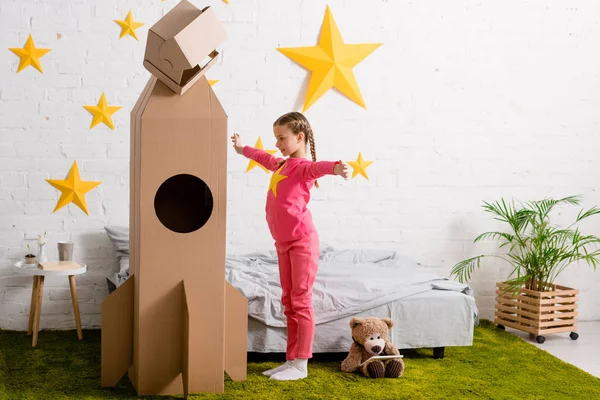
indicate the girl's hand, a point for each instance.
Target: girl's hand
{"x":342,"y":169}
{"x":237,"y":143}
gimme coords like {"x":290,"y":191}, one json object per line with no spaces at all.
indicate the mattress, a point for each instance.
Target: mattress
{"x":437,"y":318}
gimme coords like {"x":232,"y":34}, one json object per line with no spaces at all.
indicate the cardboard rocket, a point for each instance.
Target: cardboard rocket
{"x":176,"y":325}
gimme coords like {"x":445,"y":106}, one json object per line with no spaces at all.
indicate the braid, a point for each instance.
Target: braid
{"x":311,"y":140}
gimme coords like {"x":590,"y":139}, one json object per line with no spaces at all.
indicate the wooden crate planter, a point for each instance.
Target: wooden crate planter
{"x":538,"y":313}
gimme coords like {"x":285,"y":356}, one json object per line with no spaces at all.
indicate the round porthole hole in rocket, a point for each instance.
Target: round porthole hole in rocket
{"x":183,"y":203}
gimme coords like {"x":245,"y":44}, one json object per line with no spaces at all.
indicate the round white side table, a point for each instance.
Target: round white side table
{"x":37,"y":290}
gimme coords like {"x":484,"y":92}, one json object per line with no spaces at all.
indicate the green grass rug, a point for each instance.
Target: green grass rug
{"x":497,"y":366}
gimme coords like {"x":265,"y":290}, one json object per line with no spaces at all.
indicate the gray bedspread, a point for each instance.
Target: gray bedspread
{"x":348,"y":282}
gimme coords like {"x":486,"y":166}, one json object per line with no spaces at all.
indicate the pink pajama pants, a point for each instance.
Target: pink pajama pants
{"x":298,"y":264}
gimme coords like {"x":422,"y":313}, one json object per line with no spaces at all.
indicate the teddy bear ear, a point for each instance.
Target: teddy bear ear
{"x":388,"y":321}
{"x":355,"y":321}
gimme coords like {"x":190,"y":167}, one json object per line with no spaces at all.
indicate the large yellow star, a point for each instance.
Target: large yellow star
{"x":30,"y":55}
{"x":102,"y":112}
{"x":252,"y":163}
{"x":73,"y":189}
{"x":128,"y":26}
{"x":275,"y":179}
{"x":360,"y":166}
{"x":331,"y":63}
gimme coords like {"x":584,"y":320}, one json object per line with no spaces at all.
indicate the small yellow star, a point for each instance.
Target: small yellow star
{"x":226,"y":1}
{"x":30,"y":55}
{"x":360,"y":166}
{"x":252,"y":163}
{"x":128,"y":26}
{"x":73,"y":189}
{"x":102,"y":112}
{"x":211,"y":82}
{"x":331,"y":63}
{"x":275,"y":179}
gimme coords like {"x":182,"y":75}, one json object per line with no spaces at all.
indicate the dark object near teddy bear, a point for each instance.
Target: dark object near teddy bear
{"x":370,"y":337}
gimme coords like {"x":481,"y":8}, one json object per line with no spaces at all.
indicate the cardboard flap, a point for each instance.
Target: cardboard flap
{"x":236,"y":333}
{"x":117,"y":334}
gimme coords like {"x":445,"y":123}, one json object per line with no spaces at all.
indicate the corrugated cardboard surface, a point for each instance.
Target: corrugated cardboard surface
{"x":134,"y":184}
{"x":179,"y":311}
{"x":180,"y":135}
{"x":179,"y":42}
{"x":236,"y":333}
{"x":117,"y":333}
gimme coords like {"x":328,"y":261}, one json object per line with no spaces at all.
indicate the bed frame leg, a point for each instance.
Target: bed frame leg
{"x":438,"y":352}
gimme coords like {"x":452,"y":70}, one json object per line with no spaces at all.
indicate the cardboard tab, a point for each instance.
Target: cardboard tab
{"x":117,"y":334}
{"x":236,"y":333}
{"x":180,"y":44}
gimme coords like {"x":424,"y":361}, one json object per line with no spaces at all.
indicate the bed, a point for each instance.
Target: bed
{"x":429,"y":311}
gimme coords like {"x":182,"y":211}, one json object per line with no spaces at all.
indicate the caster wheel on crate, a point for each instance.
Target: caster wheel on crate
{"x":574,"y":335}
{"x":540,"y":339}
{"x":501,"y":327}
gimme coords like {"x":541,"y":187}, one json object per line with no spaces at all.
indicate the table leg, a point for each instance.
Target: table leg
{"x":75,"y":306}
{"x":33,"y":304}
{"x":38,"y":309}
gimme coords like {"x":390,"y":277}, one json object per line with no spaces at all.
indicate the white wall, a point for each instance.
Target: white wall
{"x":466,"y":101}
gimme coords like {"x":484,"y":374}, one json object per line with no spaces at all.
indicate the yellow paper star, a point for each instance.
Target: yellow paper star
{"x":252,"y":163}
{"x":331,"y":63}
{"x":30,"y":55}
{"x":226,"y":1}
{"x":73,"y":189}
{"x":211,"y":82}
{"x":128,"y":26}
{"x":102,"y":112}
{"x":360,"y":166}
{"x":275,"y":179}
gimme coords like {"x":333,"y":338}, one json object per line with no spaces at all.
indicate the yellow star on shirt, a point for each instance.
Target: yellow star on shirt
{"x":102,"y":112}
{"x":252,"y":163}
{"x":30,"y":55}
{"x":128,"y":26}
{"x":360,"y":166}
{"x":331,"y":63}
{"x":73,"y":189}
{"x":275,"y":179}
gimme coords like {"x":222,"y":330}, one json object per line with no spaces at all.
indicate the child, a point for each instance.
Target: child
{"x":291,"y":225}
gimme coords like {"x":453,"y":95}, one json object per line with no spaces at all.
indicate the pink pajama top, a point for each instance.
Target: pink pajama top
{"x":289,"y":193}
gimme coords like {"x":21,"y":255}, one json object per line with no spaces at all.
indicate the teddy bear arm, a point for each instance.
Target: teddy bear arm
{"x":390,"y":349}
{"x":353,"y":360}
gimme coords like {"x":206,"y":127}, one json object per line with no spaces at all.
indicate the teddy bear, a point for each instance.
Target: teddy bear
{"x":370,"y":337}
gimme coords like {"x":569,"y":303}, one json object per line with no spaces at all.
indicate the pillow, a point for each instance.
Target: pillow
{"x":119,"y":236}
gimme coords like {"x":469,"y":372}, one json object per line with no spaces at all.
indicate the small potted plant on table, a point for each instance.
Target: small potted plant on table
{"x":537,"y":252}
{"x":30,"y":258}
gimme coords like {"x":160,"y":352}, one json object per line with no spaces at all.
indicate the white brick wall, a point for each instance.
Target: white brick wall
{"x":466,"y":101}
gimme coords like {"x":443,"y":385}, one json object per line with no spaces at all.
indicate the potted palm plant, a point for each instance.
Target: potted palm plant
{"x":538,"y":252}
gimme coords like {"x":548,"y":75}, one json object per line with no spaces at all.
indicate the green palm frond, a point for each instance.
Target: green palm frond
{"x":585,"y":214}
{"x":494,"y":235}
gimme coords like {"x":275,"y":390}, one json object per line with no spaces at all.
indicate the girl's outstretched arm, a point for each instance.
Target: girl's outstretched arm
{"x":317,"y":169}
{"x":265,"y":159}
{"x":262,"y":157}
